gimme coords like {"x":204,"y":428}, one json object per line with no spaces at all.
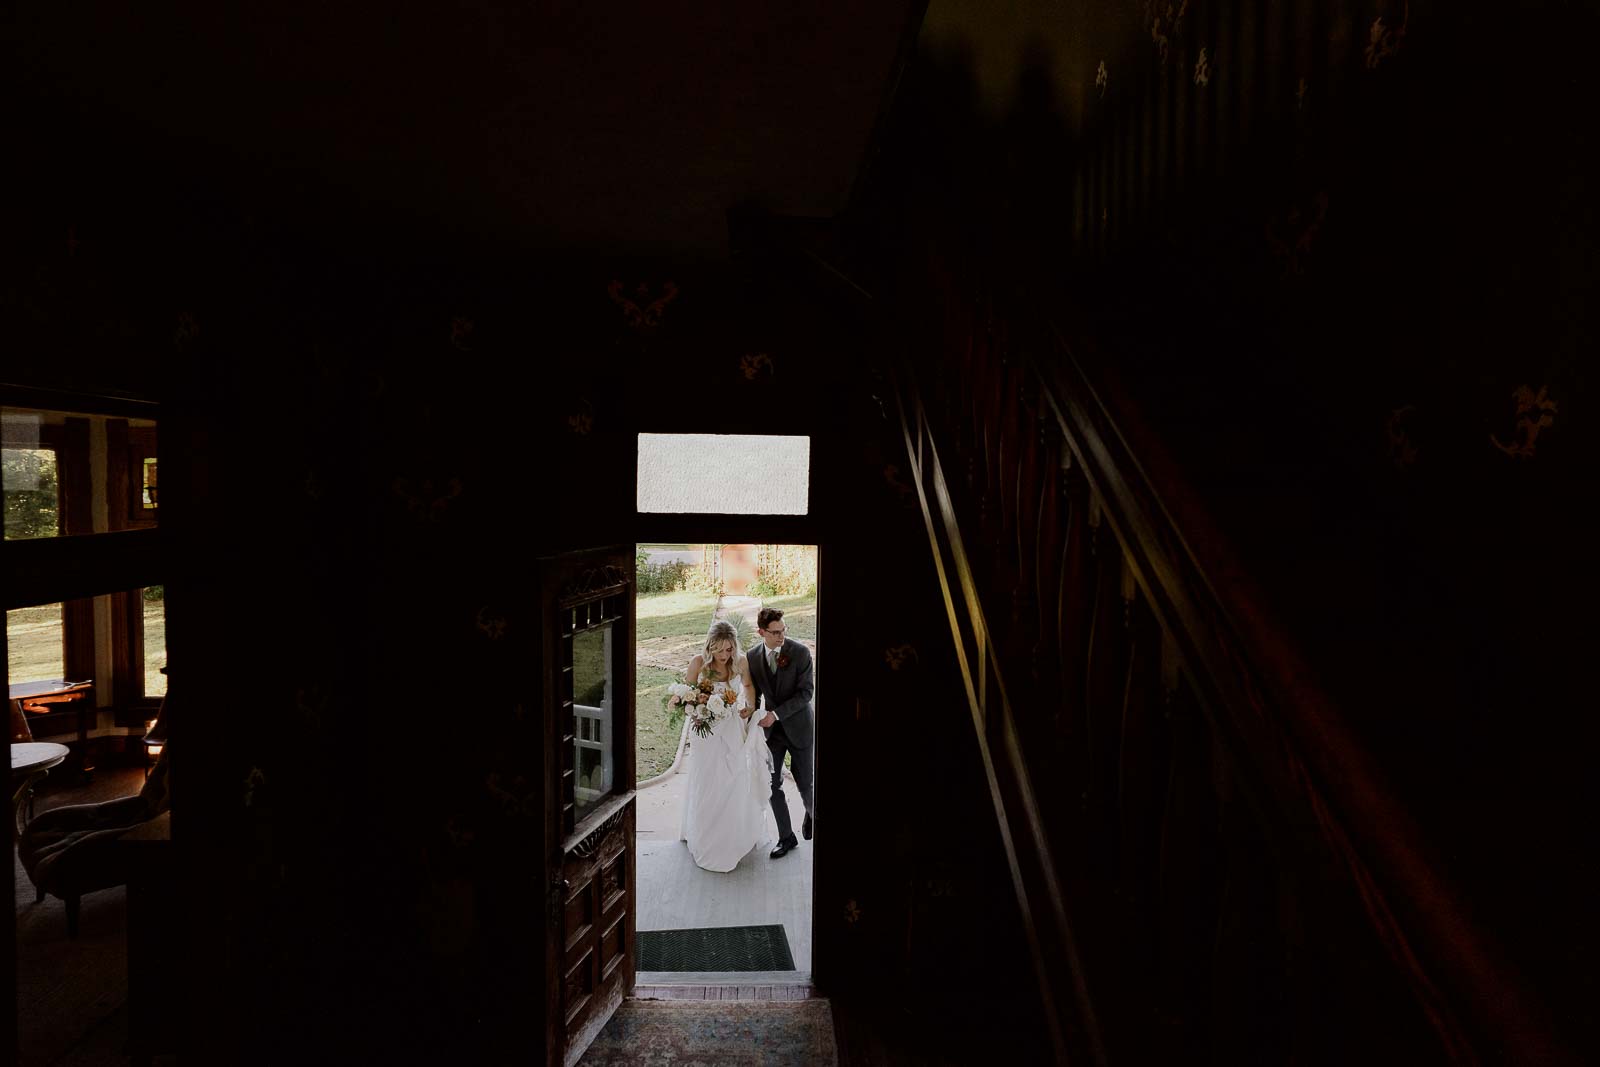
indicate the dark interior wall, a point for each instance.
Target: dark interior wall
{"x":506,"y":121}
{"x":372,"y":429}
{"x":1319,"y":265}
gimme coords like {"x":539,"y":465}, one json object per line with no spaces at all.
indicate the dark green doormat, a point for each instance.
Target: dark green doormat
{"x":721,"y":948}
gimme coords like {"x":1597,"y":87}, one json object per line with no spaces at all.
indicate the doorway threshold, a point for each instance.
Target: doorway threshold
{"x":723,"y":985}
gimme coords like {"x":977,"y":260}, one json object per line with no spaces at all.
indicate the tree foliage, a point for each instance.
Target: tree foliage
{"x":30,"y":491}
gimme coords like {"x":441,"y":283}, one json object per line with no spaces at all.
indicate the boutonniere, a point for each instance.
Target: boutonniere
{"x":783,"y":661}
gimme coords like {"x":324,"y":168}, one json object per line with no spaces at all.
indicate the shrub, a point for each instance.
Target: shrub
{"x":31,"y":509}
{"x":702,"y":580}
{"x":744,"y":632}
{"x":786,"y":570}
{"x":661,"y":577}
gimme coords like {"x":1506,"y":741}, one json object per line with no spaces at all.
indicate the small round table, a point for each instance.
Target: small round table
{"x":30,"y":762}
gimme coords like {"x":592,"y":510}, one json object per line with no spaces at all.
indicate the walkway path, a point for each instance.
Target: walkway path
{"x":674,"y":894}
{"x":747,"y":606}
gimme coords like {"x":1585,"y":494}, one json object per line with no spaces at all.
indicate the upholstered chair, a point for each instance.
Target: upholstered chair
{"x":73,"y":850}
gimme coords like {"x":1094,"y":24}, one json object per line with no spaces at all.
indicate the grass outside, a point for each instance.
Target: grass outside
{"x":670,"y":627}
{"x":799,"y":614}
{"x":670,"y":548}
{"x":674,"y":615}
{"x":654,"y":743}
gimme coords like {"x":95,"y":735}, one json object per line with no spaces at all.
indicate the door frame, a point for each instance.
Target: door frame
{"x":595,"y":854}
{"x":769,"y":530}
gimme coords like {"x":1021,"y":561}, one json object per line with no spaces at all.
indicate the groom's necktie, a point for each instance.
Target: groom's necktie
{"x":772,"y":663}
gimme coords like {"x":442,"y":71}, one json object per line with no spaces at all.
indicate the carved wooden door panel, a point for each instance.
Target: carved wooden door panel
{"x":589,"y":798}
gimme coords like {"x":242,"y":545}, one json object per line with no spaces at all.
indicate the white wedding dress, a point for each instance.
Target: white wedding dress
{"x":730,"y":781}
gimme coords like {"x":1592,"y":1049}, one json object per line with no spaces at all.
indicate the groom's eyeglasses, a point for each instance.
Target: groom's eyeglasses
{"x":778,"y":630}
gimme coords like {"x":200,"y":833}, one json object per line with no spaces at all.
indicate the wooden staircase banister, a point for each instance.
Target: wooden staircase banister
{"x":1319,"y":799}
{"x":1184,"y":812}
{"x":1298,"y":740}
{"x":1016,"y":806}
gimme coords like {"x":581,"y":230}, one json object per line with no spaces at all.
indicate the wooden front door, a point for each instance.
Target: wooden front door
{"x":589,"y":768}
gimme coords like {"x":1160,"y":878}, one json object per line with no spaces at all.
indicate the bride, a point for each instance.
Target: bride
{"x":730,"y":771}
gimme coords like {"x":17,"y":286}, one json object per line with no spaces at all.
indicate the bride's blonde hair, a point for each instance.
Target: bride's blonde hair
{"x":721,"y":631}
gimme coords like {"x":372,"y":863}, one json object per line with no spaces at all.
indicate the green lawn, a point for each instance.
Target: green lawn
{"x":799,"y":614}
{"x":670,"y":627}
{"x":654,"y":743}
{"x":671,"y":548}
{"x":675,"y":615}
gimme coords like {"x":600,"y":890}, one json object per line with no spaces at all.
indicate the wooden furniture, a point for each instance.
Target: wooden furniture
{"x":55,"y":698}
{"x":75,"y":849}
{"x":152,"y":752}
{"x":30,"y":762}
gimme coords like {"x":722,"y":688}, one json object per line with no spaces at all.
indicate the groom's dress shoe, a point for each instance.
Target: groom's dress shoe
{"x":785,"y":847}
{"x":805,"y":827}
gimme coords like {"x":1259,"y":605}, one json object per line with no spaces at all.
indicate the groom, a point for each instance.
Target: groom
{"x":781,"y":671}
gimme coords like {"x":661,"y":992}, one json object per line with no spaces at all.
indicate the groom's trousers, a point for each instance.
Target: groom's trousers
{"x":800,"y":763}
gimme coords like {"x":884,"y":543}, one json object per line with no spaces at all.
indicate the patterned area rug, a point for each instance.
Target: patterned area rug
{"x":71,"y":989}
{"x":658,"y":1033}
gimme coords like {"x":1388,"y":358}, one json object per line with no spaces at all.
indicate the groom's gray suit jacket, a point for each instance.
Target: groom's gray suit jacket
{"x":789,"y":694}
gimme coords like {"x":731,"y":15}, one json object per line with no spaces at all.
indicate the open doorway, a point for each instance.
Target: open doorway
{"x":708,"y":916}
{"x":84,"y":660}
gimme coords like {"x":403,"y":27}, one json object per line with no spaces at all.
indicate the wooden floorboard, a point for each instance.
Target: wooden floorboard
{"x":674,"y":894}
{"x":678,"y":990}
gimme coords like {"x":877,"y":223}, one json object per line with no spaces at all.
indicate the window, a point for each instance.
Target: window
{"x":78,"y":469}
{"x":31,"y":483}
{"x":724,"y":474}
{"x":147,"y":496}
{"x":74,"y":473}
{"x":153,"y":625}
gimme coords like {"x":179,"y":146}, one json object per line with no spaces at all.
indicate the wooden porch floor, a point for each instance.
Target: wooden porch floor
{"x":674,"y":894}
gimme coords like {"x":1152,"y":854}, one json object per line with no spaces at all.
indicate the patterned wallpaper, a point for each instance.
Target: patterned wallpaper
{"x":1336,"y":260}
{"x":379,"y":431}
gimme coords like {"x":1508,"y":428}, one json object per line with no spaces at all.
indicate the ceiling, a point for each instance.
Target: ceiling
{"x":611,"y":126}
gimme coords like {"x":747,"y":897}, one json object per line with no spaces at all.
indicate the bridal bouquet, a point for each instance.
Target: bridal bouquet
{"x":704,"y":706}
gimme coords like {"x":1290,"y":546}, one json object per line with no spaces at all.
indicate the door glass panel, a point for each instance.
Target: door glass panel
{"x":593,"y":740}
{"x":67,"y":472}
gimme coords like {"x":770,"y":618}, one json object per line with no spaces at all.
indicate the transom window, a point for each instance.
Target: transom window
{"x":724,"y":474}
